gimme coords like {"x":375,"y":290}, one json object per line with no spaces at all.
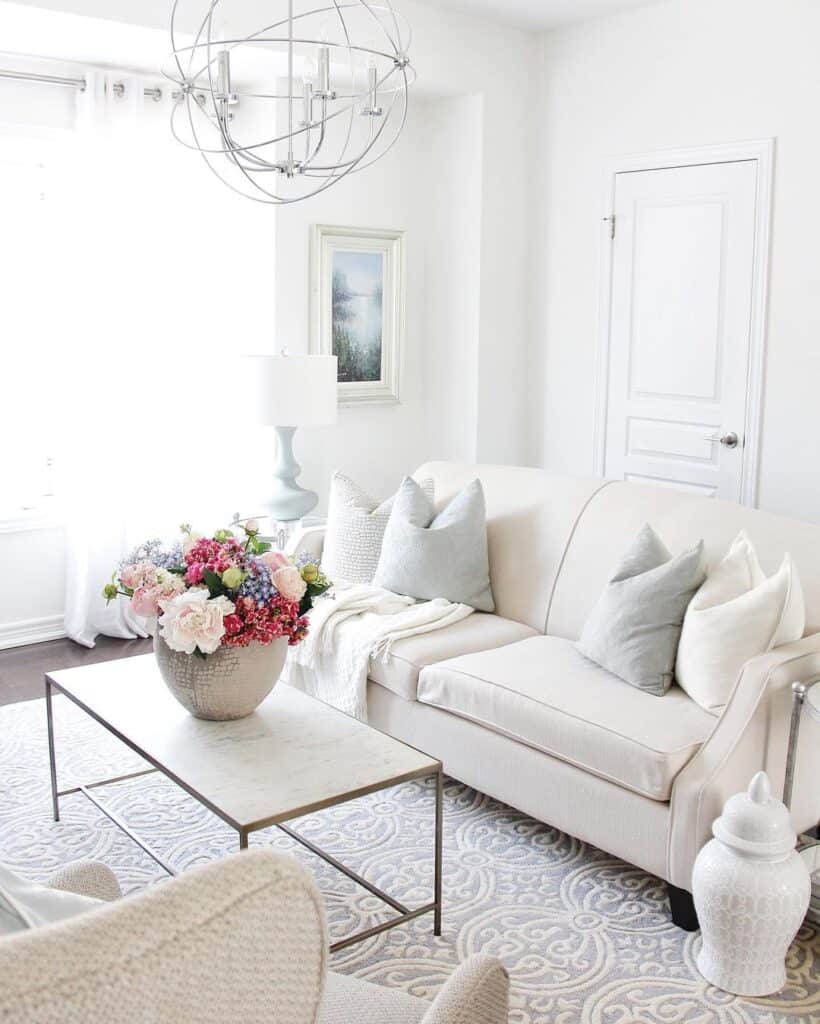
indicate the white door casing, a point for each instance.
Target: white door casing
{"x":683,"y":316}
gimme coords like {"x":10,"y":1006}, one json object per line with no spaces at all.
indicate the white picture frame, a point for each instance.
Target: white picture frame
{"x":357,"y":308}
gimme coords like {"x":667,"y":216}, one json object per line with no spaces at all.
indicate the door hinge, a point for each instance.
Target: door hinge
{"x":611,"y":221}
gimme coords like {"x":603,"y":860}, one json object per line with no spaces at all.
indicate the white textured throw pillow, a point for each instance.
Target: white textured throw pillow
{"x":736,"y":615}
{"x":426,"y":556}
{"x":355,"y":529}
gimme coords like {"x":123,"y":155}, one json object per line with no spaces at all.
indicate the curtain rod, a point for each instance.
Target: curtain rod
{"x":154,"y":93}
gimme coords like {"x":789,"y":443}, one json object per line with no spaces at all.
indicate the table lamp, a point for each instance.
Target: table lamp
{"x":290,"y":392}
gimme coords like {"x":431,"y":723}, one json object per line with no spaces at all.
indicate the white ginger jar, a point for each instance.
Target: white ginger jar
{"x":751,"y":892}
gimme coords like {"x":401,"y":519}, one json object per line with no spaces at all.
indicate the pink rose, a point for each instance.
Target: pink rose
{"x":146,"y":601}
{"x":274,"y":560}
{"x":288,"y":581}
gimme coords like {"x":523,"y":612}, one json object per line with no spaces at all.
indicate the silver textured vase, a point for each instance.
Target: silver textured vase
{"x":230,"y":683}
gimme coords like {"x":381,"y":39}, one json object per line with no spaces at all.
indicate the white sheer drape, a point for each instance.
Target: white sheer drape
{"x":167,"y":281}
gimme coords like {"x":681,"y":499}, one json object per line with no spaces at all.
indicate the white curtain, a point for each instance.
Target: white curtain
{"x":167,"y":281}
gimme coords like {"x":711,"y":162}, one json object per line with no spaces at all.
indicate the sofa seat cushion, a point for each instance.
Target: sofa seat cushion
{"x":347,"y":1000}
{"x":545,"y":693}
{"x":399,"y":669}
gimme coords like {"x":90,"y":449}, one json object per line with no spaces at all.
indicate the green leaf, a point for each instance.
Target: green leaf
{"x":262,"y":546}
{"x":178,"y":570}
{"x":213,"y":583}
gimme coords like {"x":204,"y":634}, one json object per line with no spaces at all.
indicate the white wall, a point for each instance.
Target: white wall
{"x":429,"y":186}
{"x":456,"y":182}
{"x":682,"y":73}
{"x":454,"y":55}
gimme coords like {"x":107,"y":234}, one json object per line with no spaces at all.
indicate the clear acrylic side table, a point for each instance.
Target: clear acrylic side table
{"x":804,"y":695}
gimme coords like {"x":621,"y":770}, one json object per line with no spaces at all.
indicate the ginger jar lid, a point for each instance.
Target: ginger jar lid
{"x":755,"y":822}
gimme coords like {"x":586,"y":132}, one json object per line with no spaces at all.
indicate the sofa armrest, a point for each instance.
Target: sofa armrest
{"x":309,"y":540}
{"x":87,"y":878}
{"x":241,"y":939}
{"x":478,"y":992}
{"x":751,"y":734}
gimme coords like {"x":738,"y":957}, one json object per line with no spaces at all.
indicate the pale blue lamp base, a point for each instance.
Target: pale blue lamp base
{"x":287,"y":499}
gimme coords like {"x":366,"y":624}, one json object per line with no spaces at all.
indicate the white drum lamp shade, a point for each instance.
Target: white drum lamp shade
{"x":293,"y":391}
{"x":289,"y":392}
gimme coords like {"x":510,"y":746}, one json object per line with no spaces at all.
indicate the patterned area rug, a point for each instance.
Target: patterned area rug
{"x":586,"y":937}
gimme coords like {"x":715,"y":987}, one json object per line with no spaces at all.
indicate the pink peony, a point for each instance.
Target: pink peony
{"x":140,"y":574}
{"x":146,"y":599}
{"x":274,"y":560}
{"x":288,"y":581}
{"x":194,"y":619}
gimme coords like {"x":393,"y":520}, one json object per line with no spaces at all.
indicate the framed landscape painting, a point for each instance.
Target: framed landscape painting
{"x":357,"y":308}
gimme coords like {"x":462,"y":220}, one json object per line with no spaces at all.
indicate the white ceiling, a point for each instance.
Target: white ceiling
{"x":540,"y":14}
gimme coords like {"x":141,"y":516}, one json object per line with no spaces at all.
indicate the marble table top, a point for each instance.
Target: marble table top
{"x":292,"y":756}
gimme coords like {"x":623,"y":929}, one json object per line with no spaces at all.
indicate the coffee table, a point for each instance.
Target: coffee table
{"x":293,"y":756}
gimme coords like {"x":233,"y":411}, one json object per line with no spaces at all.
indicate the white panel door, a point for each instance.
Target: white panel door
{"x":682,"y":285}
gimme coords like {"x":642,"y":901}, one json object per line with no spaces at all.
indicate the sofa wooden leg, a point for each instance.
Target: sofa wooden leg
{"x":683,"y":910}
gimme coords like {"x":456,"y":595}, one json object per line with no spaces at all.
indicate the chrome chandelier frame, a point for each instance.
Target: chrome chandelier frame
{"x":321,"y":145}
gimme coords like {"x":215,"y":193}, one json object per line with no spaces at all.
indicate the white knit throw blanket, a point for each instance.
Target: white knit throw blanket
{"x":349,"y":628}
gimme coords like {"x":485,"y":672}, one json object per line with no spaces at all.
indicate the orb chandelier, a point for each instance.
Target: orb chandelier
{"x":332,"y":99}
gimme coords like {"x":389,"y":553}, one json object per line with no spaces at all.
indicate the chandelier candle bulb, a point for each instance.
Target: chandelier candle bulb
{"x":223,"y":64}
{"x":324,"y":71}
{"x":308,"y":101}
{"x":373,"y":82}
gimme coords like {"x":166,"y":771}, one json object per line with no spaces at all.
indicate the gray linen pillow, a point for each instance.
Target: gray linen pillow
{"x":634,"y":629}
{"x":425,"y":555}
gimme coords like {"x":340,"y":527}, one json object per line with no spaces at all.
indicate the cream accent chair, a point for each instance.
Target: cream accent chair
{"x":510,"y":706}
{"x":243,"y":939}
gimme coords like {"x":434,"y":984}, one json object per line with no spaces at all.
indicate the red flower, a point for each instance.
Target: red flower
{"x":232,"y":623}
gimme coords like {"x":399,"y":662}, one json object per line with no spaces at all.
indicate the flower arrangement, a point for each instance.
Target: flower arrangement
{"x":219,"y":591}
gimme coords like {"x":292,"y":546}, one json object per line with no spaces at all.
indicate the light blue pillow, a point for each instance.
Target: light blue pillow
{"x":634,"y":629}
{"x":425,"y":555}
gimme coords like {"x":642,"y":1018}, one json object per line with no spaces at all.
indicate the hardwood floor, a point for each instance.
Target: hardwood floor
{"x":22,"y":668}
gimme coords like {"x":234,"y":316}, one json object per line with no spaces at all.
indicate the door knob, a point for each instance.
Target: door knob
{"x":730,"y":440}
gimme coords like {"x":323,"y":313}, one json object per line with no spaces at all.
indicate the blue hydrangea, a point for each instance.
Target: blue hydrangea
{"x":306,"y":558}
{"x":258,"y":584}
{"x":155,"y":551}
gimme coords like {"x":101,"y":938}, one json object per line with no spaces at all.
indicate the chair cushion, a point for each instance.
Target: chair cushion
{"x":348,"y":1000}
{"x":26,"y":905}
{"x":545,"y":693}
{"x":399,"y":669}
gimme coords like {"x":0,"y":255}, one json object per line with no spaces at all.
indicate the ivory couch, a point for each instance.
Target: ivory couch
{"x":512,"y":708}
{"x":243,"y":939}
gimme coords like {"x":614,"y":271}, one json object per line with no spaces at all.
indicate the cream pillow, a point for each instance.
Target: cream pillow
{"x":736,"y":615}
{"x":355,"y":530}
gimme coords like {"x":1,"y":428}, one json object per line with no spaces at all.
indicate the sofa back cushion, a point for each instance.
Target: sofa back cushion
{"x":530,"y":518}
{"x":618,"y":510}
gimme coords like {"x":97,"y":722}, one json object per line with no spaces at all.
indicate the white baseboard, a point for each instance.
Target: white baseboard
{"x":31,"y":631}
